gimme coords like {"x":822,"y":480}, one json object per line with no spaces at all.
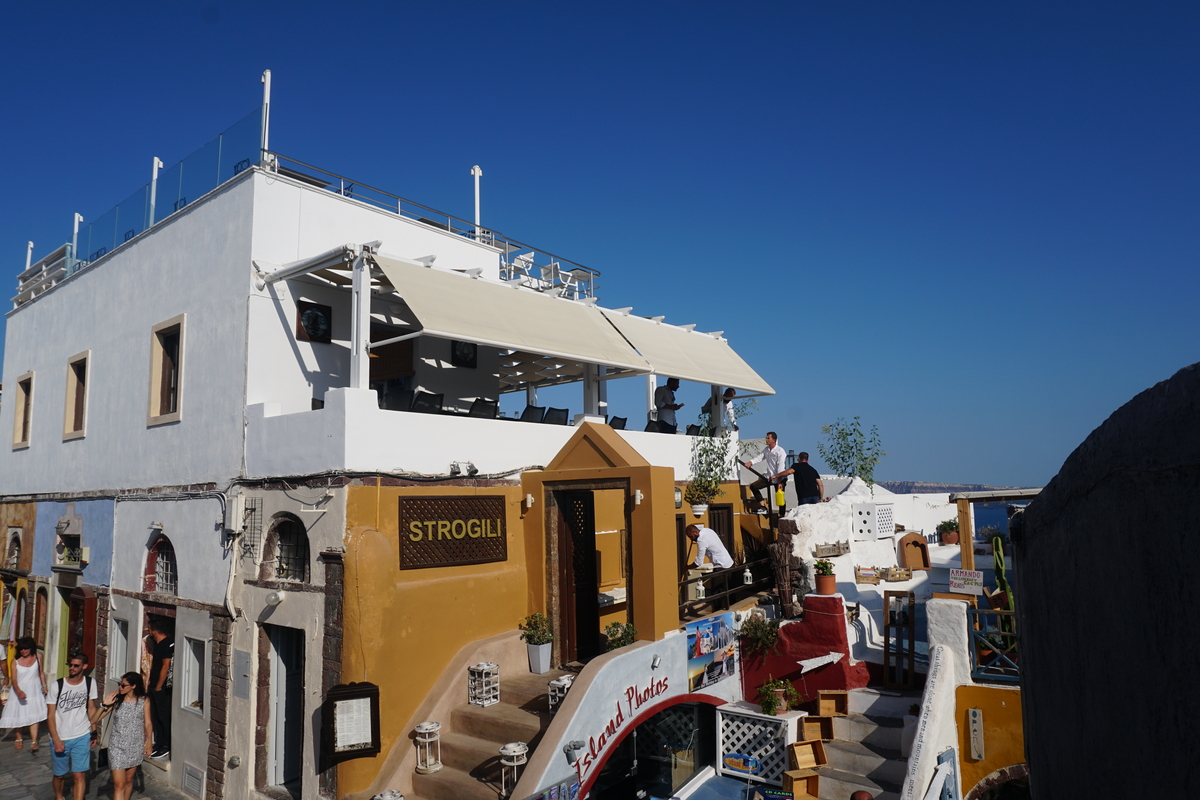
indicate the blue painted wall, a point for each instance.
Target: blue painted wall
{"x":97,"y":534}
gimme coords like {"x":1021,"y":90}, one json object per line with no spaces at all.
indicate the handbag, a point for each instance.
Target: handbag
{"x":101,"y":738}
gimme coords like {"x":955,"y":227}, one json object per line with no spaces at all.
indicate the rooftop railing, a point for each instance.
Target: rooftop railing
{"x":537,"y":268}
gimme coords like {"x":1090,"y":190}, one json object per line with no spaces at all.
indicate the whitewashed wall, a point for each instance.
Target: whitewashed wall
{"x":195,"y":263}
{"x":194,"y":528}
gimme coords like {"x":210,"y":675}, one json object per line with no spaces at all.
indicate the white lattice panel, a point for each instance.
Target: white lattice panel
{"x":761,"y":738}
{"x":884,"y":522}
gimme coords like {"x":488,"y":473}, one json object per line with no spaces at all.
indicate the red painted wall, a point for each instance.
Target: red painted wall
{"x":821,"y":631}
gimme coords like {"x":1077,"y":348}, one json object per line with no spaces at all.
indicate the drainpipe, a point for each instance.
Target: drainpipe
{"x":266,"y":114}
{"x":155,"y":165}
{"x":360,"y":322}
{"x":478,"y":173}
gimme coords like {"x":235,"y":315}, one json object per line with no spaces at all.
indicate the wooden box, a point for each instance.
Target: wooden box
{"x":896,"y":574}
{"x":866,"y":575}
{"x":816,"y":728}
{"x":806,"y":755}
{"x":833,"y":703}
{"x":804,"y":784}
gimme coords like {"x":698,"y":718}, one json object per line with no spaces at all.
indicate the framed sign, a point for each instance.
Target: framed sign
{"x":448,"y":531}
{"x":352,"y":721}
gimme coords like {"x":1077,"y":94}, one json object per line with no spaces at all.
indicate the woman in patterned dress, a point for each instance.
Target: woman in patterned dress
{"x":130,"y":733}
{"x":26,"y":692}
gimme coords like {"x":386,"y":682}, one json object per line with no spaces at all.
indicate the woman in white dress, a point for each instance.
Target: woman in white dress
{"x":26,"y":692}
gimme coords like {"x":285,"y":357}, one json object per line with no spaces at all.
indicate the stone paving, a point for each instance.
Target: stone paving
{"x":25,"y":775}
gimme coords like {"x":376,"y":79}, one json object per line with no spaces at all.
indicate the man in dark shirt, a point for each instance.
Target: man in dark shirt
{"x":159,"y":685}
{"x":809,"y":487}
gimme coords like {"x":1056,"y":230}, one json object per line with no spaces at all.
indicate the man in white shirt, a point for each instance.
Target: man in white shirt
{"x":69,"y":707}
{"x":709,"y":544}
{"x":773,"y":457}
{"x":664,"y":401}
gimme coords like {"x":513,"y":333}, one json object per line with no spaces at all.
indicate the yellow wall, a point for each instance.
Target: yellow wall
{"x":1003,"y":737}
{"x":402,"y":627}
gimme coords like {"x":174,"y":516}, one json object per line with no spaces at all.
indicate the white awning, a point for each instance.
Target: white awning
{"x":454,"y":306}
{"x":688,"y":355}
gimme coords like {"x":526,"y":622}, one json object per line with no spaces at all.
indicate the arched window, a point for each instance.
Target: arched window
{"x":161,"y":573}
{"x":285,"y":556}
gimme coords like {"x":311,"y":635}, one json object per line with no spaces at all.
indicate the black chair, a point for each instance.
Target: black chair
{"x":533,"y":413}
{"x":652,"y":427}
{"x":618,"y":423}
{"x":427,"y":403}
{"x":482,"y":407}
{"x":398,"y":400}
{"x":693,"y":430}
{"x":555,"y":416}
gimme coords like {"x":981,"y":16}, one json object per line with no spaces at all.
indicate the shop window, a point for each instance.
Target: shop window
{"x":118,"y":647}
{"x":192,"y":695}
{"x":661,"y":754}
{"x":161,"y":574}
{"x":285,"y":556}
{"x":166,"y":371}
{"x":75,"y":413}
{"x":23,"y":411}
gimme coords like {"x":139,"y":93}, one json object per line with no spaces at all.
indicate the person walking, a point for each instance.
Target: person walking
{"x":69,"y":708}
{"x":130,"y":734}
{"x":26,"y":693}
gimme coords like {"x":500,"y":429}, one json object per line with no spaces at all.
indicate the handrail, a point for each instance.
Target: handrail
{"x":993,"y":646}
{"x":723,"y":575}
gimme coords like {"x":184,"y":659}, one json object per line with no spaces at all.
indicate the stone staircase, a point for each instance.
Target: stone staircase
{"x":865,"y":751}
{"x":472,"y":738}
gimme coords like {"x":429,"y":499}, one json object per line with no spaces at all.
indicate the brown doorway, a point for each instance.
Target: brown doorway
{"x":579,"y":606}
{"x":720,"y":519}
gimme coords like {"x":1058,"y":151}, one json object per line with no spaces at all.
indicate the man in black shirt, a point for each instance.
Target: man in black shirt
{"x":159,"y":685}
{"x":809,"y":487}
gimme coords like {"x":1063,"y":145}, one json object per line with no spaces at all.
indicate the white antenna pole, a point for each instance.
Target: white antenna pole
{"x":28,"y":256}
{"x":478,"y":173}
{"x":155,"y":165}
{"x":75,"y":236}
{"x":266,"y":114}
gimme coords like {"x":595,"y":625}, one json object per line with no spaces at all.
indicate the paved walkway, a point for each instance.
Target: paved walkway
{"x":25,"y":775}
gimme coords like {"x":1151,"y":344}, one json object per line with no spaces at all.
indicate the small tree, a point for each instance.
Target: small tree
{"x":849,"y":452}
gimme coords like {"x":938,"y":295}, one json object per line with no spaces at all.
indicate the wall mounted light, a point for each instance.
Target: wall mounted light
{"x":657,"y":662}
{"x":637,"y":497}
{"x":571,"y":750}
{"x":274,"y":598}
{"x":528,"y":502}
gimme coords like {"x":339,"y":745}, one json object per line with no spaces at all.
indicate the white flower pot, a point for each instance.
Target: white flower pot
{"x":539,"y":658}
{"x":699,"y":509}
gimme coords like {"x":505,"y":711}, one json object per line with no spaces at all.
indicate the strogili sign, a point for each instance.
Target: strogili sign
{"x":966,"y":581}
{"x":447,"y":531}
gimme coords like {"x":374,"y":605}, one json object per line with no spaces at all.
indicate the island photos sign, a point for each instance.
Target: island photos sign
{"x":445,"y":531}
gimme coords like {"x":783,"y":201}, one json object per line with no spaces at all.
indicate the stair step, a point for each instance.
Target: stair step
{"x":838,"y":785}
{"x":528,"y":690}
{"x":882,"y":702}
{"x":883,"y":732}
{"x":469,"y":754}
{"x":500,"y":723}
{"x":875,"y":763}
{"x":454,"y":784}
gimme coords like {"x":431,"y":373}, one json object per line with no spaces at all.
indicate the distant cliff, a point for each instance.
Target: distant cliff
{"x":921,"y":487}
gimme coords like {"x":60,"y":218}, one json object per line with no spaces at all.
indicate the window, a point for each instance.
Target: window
{"x":166,"y":371}
{"x":161,"y":574}
{"x":118,"y":647}
{"x":75,"y":414}
{"x":286,"y":555}
{"x":13,"y":558}
{"x":23,"y":411}
{"x":192,"y":695}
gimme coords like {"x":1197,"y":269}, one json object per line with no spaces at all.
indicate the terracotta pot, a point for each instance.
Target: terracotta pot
{"x":781,"y":703}
{"x":826,"y":584}
{"x":949,"y":537}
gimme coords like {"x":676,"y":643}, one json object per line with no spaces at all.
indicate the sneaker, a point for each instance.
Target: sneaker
{"x":762,"y":512}
{"x":160,"y":753}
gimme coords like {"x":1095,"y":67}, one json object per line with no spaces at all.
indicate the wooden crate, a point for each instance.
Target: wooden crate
{"x":833,"y":703}
{"x":806,"y":755}
{"x":895,"y":574}
{"x":866,"y":575}
{"x":816,"y":728}
{"x":804,"y":784}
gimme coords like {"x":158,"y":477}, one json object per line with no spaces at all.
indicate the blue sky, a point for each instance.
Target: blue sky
{"x":973,"y":225}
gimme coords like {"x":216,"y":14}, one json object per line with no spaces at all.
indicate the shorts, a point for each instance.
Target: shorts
{"x":75,"y":757}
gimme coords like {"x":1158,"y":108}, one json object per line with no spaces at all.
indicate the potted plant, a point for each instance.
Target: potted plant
{"x":774,"y":696}
{"x":537,"y":636}
{"x":948,"y":531}
{"x":826,"y":580}
{"x":712,"y":463}
{"x":760,"y":636}
{"x":619,"y":634}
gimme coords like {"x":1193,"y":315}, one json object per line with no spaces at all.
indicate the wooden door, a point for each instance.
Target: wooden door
{"x":579,"y":607}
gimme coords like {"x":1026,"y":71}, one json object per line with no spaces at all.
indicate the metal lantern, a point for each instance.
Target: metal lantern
{"x":429,"y":747}
{"x":558,"y":690}
{"x":512,"y":757}
{"x":483,"y":684}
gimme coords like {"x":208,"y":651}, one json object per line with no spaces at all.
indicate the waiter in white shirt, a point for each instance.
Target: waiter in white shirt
{"x":709,"y":544}
{"x":773,"y":457}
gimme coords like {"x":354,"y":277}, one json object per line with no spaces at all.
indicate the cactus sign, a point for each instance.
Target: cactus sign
{"x":966,"y":581}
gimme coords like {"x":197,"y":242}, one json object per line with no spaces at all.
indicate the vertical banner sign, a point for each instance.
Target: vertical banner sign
{"x":448,"y":531}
